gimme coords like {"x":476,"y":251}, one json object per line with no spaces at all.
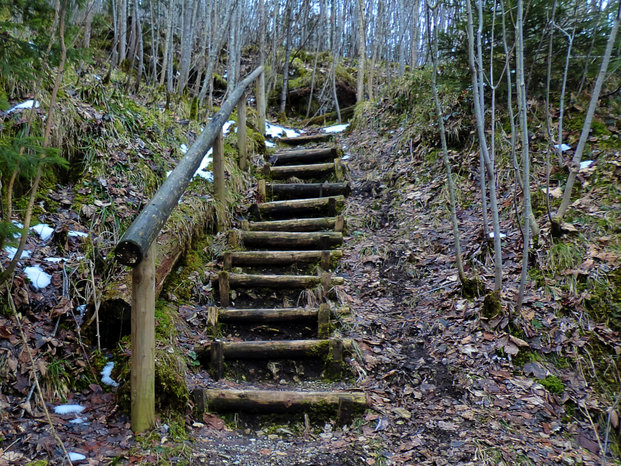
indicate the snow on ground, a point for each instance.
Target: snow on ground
{"x":183,"y":148}
{"x":226,"y":127}
{"x":12,"y":251}
{"x":76,"y":456}
{"x":105,"y":375}
{"x":43,"y":230}
{"x":80,"y":234}
{"x":336,"y":128}
{"x":275,"y":131}
{"x":269,"y":144}
{"x":38,"y":277}
{"x":502,"y":235}
{"x":23,"y":105}
{"x":564,"y":147}
{"x":202,"y":169}
{"x":586,"y":164}
{"x":68,"y":409}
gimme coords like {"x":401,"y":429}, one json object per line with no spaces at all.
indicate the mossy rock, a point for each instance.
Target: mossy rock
{"x":492,"y":305}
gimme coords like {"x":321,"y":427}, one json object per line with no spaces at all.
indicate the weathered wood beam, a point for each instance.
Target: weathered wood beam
{"x":308,"y":138}
{"x":297,"y":224}
{"x":281,"y":191}
{"x":242,"y":280}
{"x":298,"y":157}
{"x":136,"y":241}
{"x":313,"y":170}
{"x":274,"y":400}
{"x":316,"y":205}
{"x":290,"y":240}
{"x":260,"y":258}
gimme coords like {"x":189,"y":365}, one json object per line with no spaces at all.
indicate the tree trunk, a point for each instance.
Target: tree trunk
{"x":362,"y":52}
{"x":586,"y":128}
{"x":285,"y":72}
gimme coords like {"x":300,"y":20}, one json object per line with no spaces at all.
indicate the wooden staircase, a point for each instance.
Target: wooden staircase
{"x":287,"y":249}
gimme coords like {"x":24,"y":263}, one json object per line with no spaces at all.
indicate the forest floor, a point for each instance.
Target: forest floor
{"x":442,"y":383}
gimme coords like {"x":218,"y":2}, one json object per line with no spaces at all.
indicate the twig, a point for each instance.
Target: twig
{"x":34,"y":375}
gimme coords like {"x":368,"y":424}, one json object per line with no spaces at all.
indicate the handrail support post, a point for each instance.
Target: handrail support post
{"x":143,"y":343}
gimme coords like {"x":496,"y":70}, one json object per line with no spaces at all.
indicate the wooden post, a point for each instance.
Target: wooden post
{"x":261,"y":191}
{"x":225,"y":289}
{"x":218,"y":178}
{"x":227,"y":261}
{"x":242,"y":145}
{"x":323,"y":321}
{"x":339,"y":224}
{"x":217,"y":357}
{"x":334,"y":363}
{"x":261,"y":103}
{"x":143,"y":344}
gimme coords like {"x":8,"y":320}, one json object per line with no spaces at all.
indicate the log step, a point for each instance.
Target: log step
{"x":305,"y":171}
{"x":273,"y":349}
{"x":231,"y":315}
{"x":317,"y":205}
{"x":258,"y":401}
{"x":285,"y":240}
{"x":244,"y":280}
{"x":298,"y":224}
{"x":296,"y":157}
{"x":305,"y":190}
{"x":299,"y":140}
{"x":260,"y":258}
{"x":330,"y":350}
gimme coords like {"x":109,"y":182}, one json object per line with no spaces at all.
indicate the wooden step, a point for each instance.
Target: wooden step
{"x":298,"y":224}
{"x":261,"y":258}
{"x":232,"y":315}
{"x":261,"y":401}
{"x":283,"y":191}
{"x":305,"y":171}
{"x":246,"y":280}
{"x":297,"y":157}
{"x":322,"y":315}
{"x":330,"y":350}
{"x":285,"y":240}
{"x":306,"y":139}
{"x":227,"y":280}
{"x":319,"y":205}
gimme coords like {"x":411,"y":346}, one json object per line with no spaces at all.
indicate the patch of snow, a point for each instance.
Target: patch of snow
{"x":105,"y":375}
{"x":38,"y":277}
{"x":54,"y":260}
{"x":12,"y":251}
{"x":27,"y":104}
{"x":346,"y":157}
{"x":97,"y":77}
{"x":564,"y":147}
{"x":586,"y":164}
{"x":78,"y":420}
{"x":275,"y":131}
{"x":43,"y":230}
{"x":183,"y":148}
{"x":226,"y":127}
{"x":502,"y":235}
{"x":73,"y":456}
{"x":336,"y":128}
{"x":269,"y":144}
{"x":80,"y":234}
{"x":68,"y":409}
{"x":202,"y":169}
{"x":81,"y":309}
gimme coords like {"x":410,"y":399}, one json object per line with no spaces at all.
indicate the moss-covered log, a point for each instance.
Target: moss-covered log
{"x":297,"y":224}
{"x":320,"y":205}
{"x":283,"y":191}
{"x":274,"y":400}
{"x":297,"y":157}
{"x":306,"y":139}
{"x":289,"y":240}
{"x":261,"y":258}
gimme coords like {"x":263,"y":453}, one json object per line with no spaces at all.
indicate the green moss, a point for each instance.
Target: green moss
{"x":553,"y":384}
{"x":492,"y":305}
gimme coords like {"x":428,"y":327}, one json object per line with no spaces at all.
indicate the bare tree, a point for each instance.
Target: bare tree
{"x":479,"y":110}
{"x":588,"y":120}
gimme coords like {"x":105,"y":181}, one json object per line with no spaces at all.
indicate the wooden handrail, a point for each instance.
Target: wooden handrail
{"x":137,"y":248}
{"x":135,"y":243}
